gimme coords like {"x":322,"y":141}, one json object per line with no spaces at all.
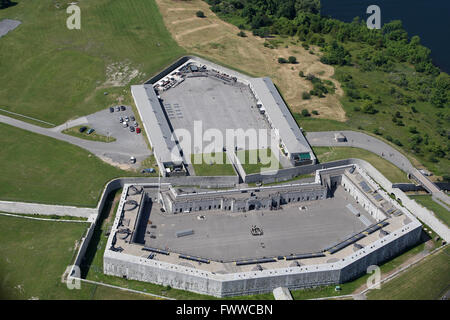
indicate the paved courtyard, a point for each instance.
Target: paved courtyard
{"x":218,"y":105}
{"x":226,"y":236}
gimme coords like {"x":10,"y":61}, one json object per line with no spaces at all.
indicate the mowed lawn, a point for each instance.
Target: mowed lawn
{"x":428,"y":280}
{"x":391,"y":172}
{"x":35,"y":254}
{"x":439,"y":211}
{"x":34,"y":168}
{"x":257,"y":161}
{"x":54,"y":74}
{"x":212,"y":164}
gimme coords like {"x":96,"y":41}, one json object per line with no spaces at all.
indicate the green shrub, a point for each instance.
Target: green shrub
{"x":306,"y":95}
{"x":200,"y":14}
{"x":292,"y":60}
{"x":305,"y":113}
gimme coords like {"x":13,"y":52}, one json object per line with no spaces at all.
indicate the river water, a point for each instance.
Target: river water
{"x":429,"y":19}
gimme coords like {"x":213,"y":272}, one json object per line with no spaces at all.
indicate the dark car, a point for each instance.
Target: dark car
{"x":131,"y":129}
{"x":82,"y":129}
{"x":132,"y":118}
{"x":123,"y":108}
{"x":111,"y":109}
{"x":90,"y":131}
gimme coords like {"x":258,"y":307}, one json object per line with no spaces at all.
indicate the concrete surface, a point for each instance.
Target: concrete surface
{"x":226,"y":236}
{"x":219,"y":106}
{"x":7,"y":25}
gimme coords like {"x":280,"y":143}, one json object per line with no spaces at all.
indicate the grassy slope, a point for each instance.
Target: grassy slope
{"x":391,"y":172}
{"x":31,"y":262}
{"x":428,"y":280}
{"x":54,"y":74}
{"x":45,"y":170}
{"x":440,"y":211}
{"x":425,"y":120}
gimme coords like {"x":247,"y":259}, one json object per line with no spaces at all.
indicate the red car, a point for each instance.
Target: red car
{"x":138,"y":130}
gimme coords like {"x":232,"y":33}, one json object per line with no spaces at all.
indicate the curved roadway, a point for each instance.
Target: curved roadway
{"x":364,"y":141}
{"x":115,"y":152}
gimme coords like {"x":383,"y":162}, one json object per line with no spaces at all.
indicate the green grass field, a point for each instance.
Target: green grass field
{"x":55,"y":74}
{"x":32,"y":262}
{"x":439,"y":211}
{"x":94,"y":136}
{"x":45,"y":170}
{"x":255,"y":161}
{"x":391,"y":172}
{"x":428,"y":280}
{"x":212,"y":164}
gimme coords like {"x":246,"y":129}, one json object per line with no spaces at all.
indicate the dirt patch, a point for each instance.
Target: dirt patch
{"x":122,"y":166}
{"x":119,"y":74}
{"x":215,"y":39}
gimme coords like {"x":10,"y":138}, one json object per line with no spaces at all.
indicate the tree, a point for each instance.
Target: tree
{"x":242,"y":34}
{"x":306,"y":95}
{"x":305,"y":113}
{"x":282,"y":60}
{"x":336,"y":54}
{"x":5,"y":3}
{"x":440,"y":96}
{"x":200,"y":14}
{"x":292,"y":60}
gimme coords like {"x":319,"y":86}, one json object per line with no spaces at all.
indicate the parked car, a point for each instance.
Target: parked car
{"x":123,"y":108}
{"x":127,"y":119}
{"x":135,"y":124}
{"x":117,"y":108}
{"x":82,"y":129}
{"x":120,"y":119}
{"x":90,"y":131}
{"x":125,"y":125}
{"x":138,"y":130}
{"x":131,"y":129}
{"x":148,"y":170}
{"x":132,"y":118}
{"x":111,"y":109}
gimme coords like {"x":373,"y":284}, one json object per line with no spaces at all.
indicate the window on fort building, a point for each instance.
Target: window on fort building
{"x":181,"y":209}
{"x":209,"y":207}
{"x":298,"y":199}
{"x":317,"y":197}
{"x":190,"y":209}
{"x":199,"y":208}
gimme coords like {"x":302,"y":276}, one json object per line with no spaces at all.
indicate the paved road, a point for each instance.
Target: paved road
{"x":364,"y":141}
{"x":113,"y":152}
